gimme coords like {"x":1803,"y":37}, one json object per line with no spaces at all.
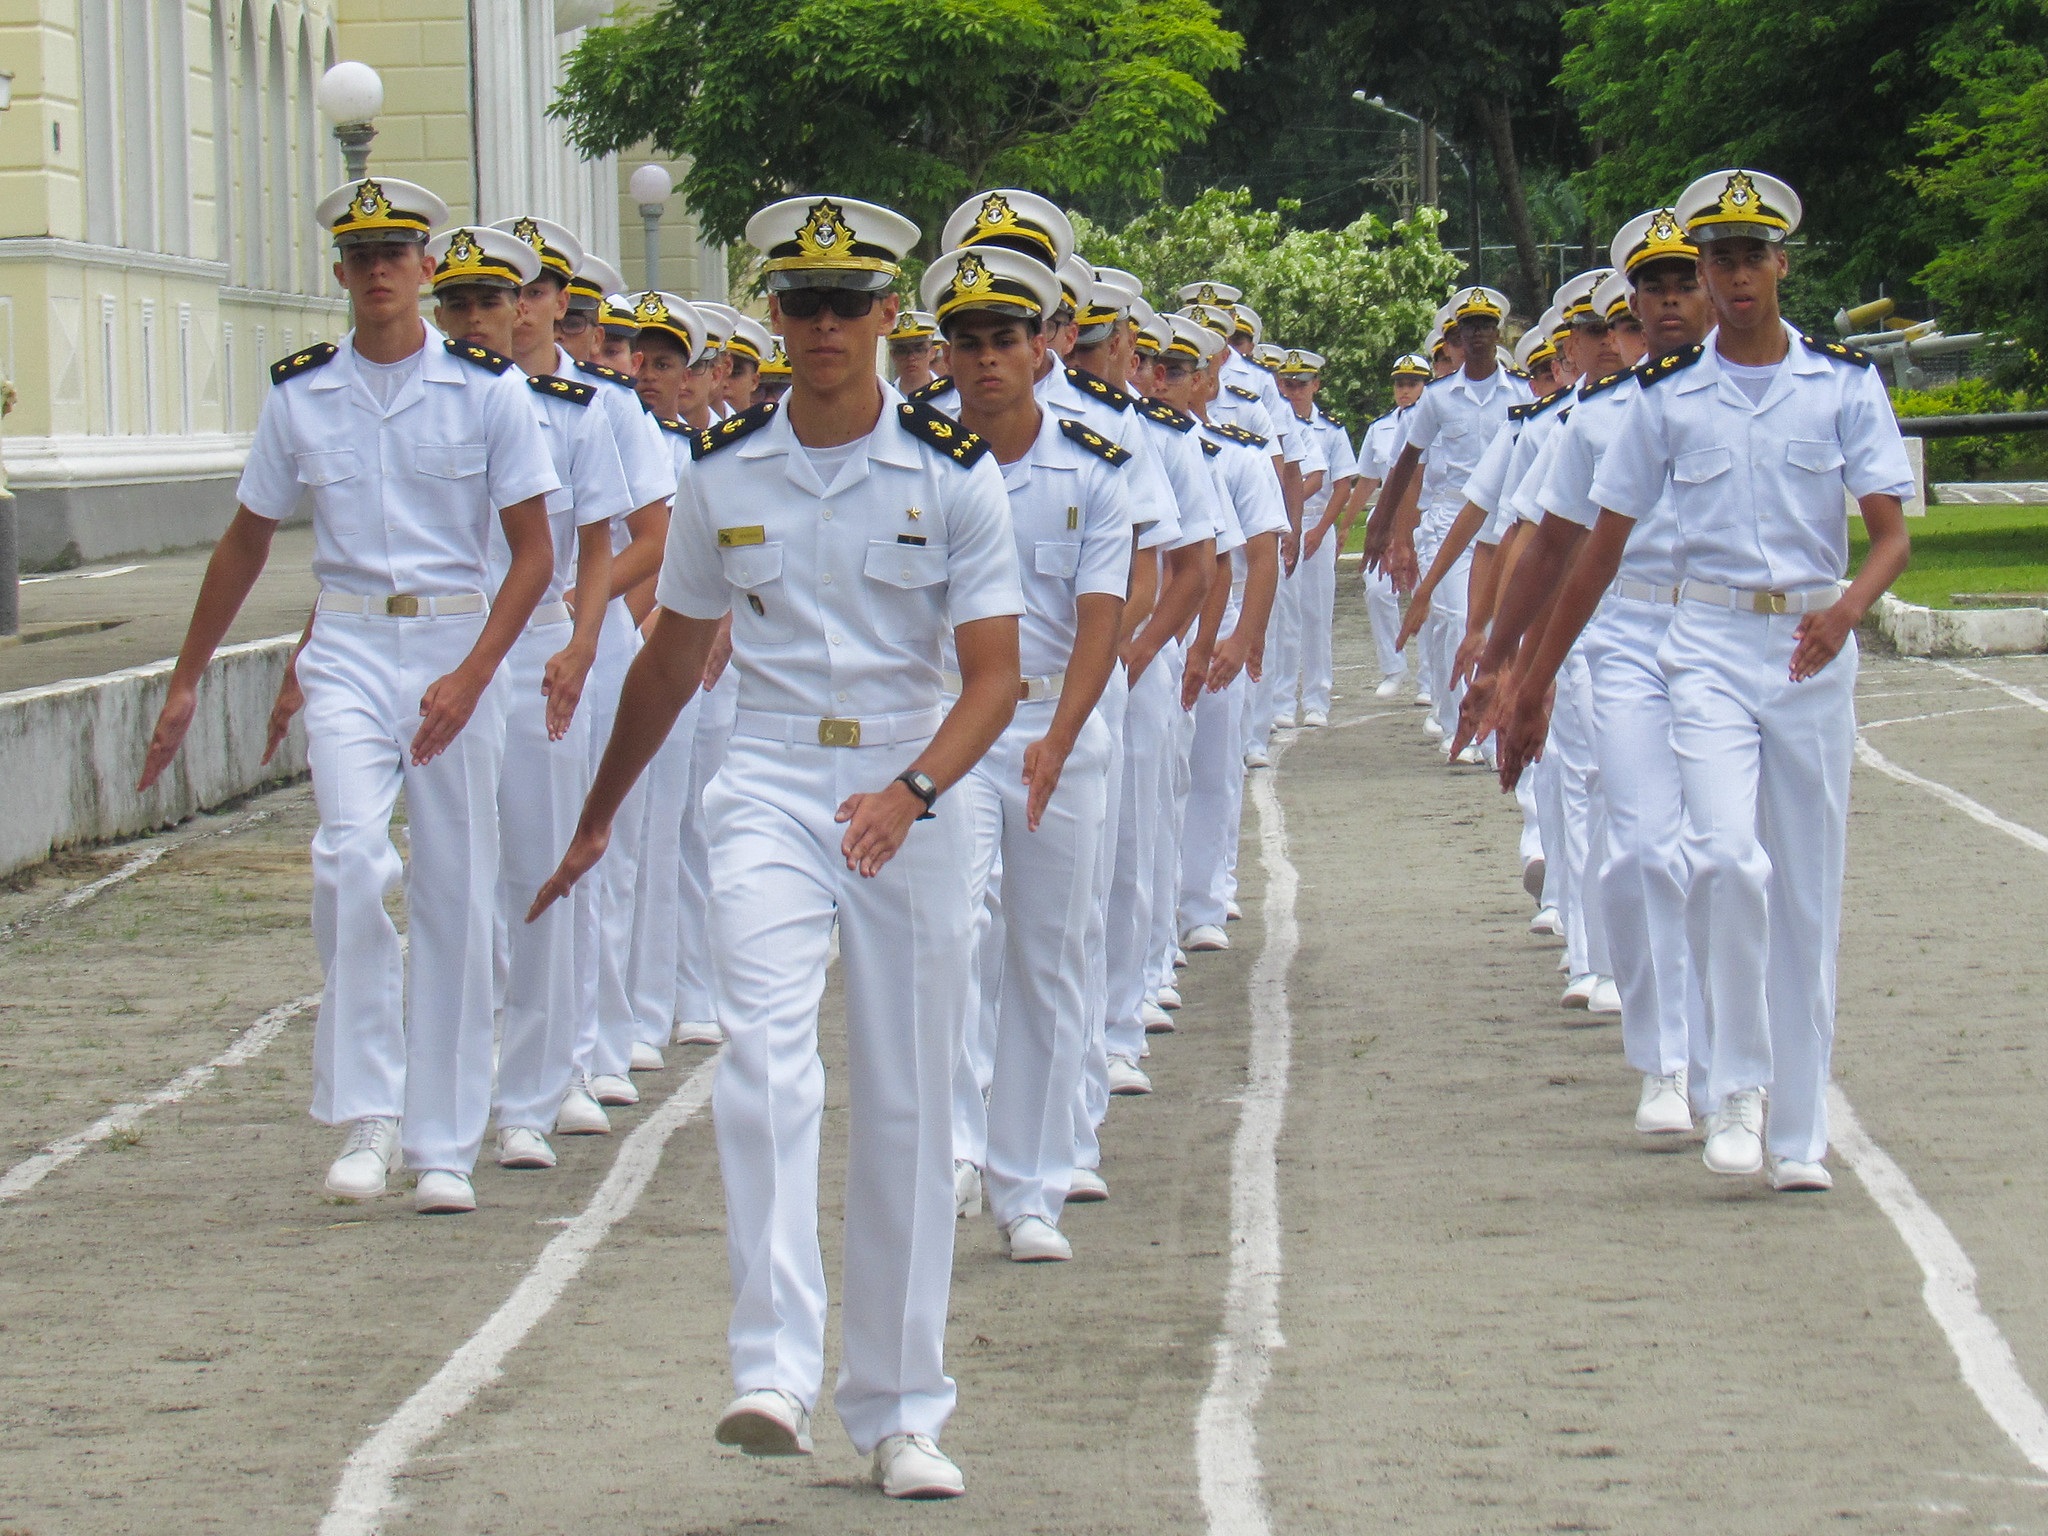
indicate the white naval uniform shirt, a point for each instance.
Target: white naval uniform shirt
{"x":1651,"y":554}
{"x":1531,"y":458}
{"x":1246,"y":475}
{"x":1486,"y":488}
{"x":1381,"y":445}
{"x":586,"y":460}
{"x":1756,"y":489}
{"x":1331,"y":449}
{"x":650,"y":467}
{"x":1246,"y":375}
{"x":834,"y":614}
{"x":1195,"y":495}
{"x":403,"y":498}
{"x":1451,"y":425}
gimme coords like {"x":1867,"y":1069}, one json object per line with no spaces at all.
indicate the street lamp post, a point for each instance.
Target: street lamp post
{"x":350,"y":96}
{"x":650,"y":187}
{"x":1431,"y":137}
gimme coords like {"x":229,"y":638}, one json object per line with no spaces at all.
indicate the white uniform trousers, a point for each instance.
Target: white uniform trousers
{"x":1442,"y":635}
{"x":1532,"y":827}
{"x":1317,"y":578}
{"x":1215,"y":802}
{"x":1111,"y":710}
{"x":778,"y":884}
{"x":1041,"y":1003}
{"x":540,"y":795}
{"x":1580,"y":820}
{"x":1149,"y":749}
{"x":694,"y":1001}
{"x":414,"y":1046}
{"x":1643,"y":874}
{"x":650,"y":972}
{"x":1272,"y":696}
{"x":1765,"y":765}
{"x":607,"y":892}
{"x":1383,"y":610}
{"x":1172,"y":830}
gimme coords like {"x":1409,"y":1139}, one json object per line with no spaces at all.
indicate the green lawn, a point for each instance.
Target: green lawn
{"x":1969,"y":549}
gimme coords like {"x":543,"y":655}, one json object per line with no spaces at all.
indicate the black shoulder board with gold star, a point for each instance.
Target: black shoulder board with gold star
{"x":562,"y":389}
{"x":483,"y":357}
{"x":1523,"y":411}
{"x":670,"y":424}
{"x":1100,"y":388}
{"x":1333,"y":421}
{"x":1160,"y":411}
{"x":1604,"y":382}
{"x":609,"y":375}
{"x":1238,"y":434}
{"x":1537,"y":408}
{"x":732,"y":429}
{"x":1516,"y":373}
{"x":1648,"y":373}
{"x":941,"y":431}
{"x":1841,"y":351}
{"x":1211,"y":448}
{"x":925,"y":393}
{"x":1095,"y":442}
{"x":318,"y":355}
{"x":1241,"y":392}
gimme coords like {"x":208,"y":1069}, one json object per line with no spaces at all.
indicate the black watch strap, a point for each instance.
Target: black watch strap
{"x":920,"y":785}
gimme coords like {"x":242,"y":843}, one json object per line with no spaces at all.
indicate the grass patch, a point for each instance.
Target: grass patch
{"x":1968,"y":549}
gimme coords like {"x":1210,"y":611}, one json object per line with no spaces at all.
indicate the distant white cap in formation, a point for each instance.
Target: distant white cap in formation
{"x":595,"y":277}
{"x":379,"y":210}
{"x":993,"y":279}
{"x":1077,"y":283}
{"x":1412,"y":365}
{"x":1653,"y":236}
{"x":1266,"y":355}
{"x":1221,"y":295}
{"x":1479,"y":303}
{"x":1248,"y":322}
{"x":674,"y":317}
{"x":1211,"y":318}
{"x":1013,"y":220}
{"x":1610,"y":299}
{"x":1574,"y":297}
{"x":830,"y":242}
{"x":1298,"y":361}
{"x":719,"y":320}
{"x":559,"y":251}
{"x":914,"y":325}
{"x":487,"y":256}
{"x":1534,"y":349}
{"x":749,"y":341}
{"x":1155,"y":331}
{"x":1192,"y":340}
{"x":1728,"y":205}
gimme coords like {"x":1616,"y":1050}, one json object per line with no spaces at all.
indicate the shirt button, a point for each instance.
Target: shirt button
{"x":836,"y":640}
{"x":826,"y":579}
{"x":842,"y":698}
{"x":906,"y":573}
{"x":827,"y":514}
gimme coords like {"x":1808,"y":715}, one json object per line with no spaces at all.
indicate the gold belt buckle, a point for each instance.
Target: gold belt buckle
{"x":1775,"y":602}
{"x":838,"y":733}
{"x":403,"y":606}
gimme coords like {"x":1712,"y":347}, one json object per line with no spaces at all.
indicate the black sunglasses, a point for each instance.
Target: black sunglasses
{"x":846,"y":303}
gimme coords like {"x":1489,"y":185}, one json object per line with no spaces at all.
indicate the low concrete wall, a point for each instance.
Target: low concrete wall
{"x":1915,"y":631}
{"x":69,"y":752}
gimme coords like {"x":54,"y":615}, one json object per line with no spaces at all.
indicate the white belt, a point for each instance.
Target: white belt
{"x":810,"y":731}
{"x":1030,"y":690}
{"x":402,"y":605}
{"x":1742,"y":600}
{"x":1644,"y":592}
{"x":549,"y":613}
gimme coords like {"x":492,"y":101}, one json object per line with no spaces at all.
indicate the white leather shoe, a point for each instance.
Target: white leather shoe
{"x":765,"y":1422}
{"x":1086,"y":1187}
{"x":443,"y":1193}
{"x":1205,"y":938}
{"x":1663,"y":1110}
{"x":1283,"y":722}
{"x":1034,"y":1240}
{"x":1431,"y":729}
{"x":1157,"y":1020}
{"x":1788,"y":1176}
{"x":1168,"y":997}
{"x":1735,"y":1134}
{"x":646,"y":1058}
{"x":1422,"y":698}
{"x":1532,"y":877}
{"x":1127,"y":1077}
{"x":1180,"y":958}
{"x":699,"y":1032}
{"x":580,"y":1114}
{"x":521,"y":1146}
{"x":966,"y":1189}
{"x":913,"y":1467}
{"x":1389,"y":686}
{"x":1314,"y":720}
{"x":1579,"y":992}
{"x":614,"y":1088}
{"x":368,"y":1157}
{"x":1472,"y":757}
{"x":1256,"y":758}
{"x":1606,"y":997}
{"x":1547,"y":921}
{"x":1232,"y":912}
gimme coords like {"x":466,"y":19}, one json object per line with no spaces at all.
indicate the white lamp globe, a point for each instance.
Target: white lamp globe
{"x":351,"y":92}
{"x":650,"y":186}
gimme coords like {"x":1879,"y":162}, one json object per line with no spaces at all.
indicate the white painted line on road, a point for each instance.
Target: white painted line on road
{"x":251,"y":1043}
{"x":119,"y":570}
{"x":1935,"y":714}
{"x":2026,"y":696}
{"x":1950,"y":1288}
{"x":1870,"y":757}
{"x":1226,"y":1424}
{"x":368,"y":1481}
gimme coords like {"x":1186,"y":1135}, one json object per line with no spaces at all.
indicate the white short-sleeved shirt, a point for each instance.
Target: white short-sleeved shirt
{"x":1451,"y":425}
{"x":586,"y":460}
{"x":647,"y":461}
{"x":842,"y":599}
{"x":1486,"y":487}
{"x":403,"y":498}
{"x":1756,"y":489}
{"x":1238,"y":376}
{"x":1651,"y":554}
{"x":1196,"y":498}
{"x":1339,"y":456}
{"x":1246,"y":472}
{"x":1380,"y":445}
{"x":1531,"y":460}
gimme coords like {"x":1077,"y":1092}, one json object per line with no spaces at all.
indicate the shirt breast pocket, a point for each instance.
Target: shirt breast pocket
{"x":761,"y":615}
{"x":1815,"y":478}
{"x":1057,"y":558}
{"x":331,"y":475}
{"x":906,"y":589}
{"x":1705,"y":490}
{"x":451,"y":481}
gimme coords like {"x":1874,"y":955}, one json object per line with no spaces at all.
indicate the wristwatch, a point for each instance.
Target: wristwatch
{"x":920,"y":785}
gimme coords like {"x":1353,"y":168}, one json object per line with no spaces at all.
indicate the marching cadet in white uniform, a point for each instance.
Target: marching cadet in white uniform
{"x":746,"y":348}
{"x":1375,"y":459}
{"x":407,"y":448}
{"x":878,"y":525}
{"x":1755,"y":435}
{"x":775,"y":373}
{"x":1038,"y":800}
{"x":913,"y":345}
{"x":1299,"y":374}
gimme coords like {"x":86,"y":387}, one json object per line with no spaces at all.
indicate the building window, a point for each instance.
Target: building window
{"x":102,"y":173}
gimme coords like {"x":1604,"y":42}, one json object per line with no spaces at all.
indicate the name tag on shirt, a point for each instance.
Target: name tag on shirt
{"x":910,"y":538}
{"x":739,"y":538}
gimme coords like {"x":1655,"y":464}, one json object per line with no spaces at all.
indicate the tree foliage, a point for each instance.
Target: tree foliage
{"x":911,"y":103}
{"x":1361,"y":296}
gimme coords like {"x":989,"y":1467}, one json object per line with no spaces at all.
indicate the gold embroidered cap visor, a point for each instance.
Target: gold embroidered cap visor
{"x":379,"y":210}
{"x":595,"y":277}
{"x":1653,"y":236}
{"x":991,"y":279}
{"x":615,"y":314}
{"x":914,"y":325}
{"x":1729,"y":205}
{"x":560,"y":252}
{"x":1013,"y":220}
{"x":668,"y":315}
{"x":830,"y":242}
{"x":1220,"y":321}
{"x":776,"y":364}
{"x":1221,"y":295}
{"x":489,"y":257}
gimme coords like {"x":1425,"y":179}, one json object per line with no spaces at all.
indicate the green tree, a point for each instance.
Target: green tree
{"x":1361,"y":296}
{"x":911,"y":103}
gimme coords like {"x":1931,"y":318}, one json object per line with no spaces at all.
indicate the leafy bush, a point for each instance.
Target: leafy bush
{"x":1968,"y":458}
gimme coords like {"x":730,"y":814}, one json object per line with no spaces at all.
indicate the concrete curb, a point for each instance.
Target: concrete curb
{"x":70,"y":751}
{"x":1912,"y":630}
